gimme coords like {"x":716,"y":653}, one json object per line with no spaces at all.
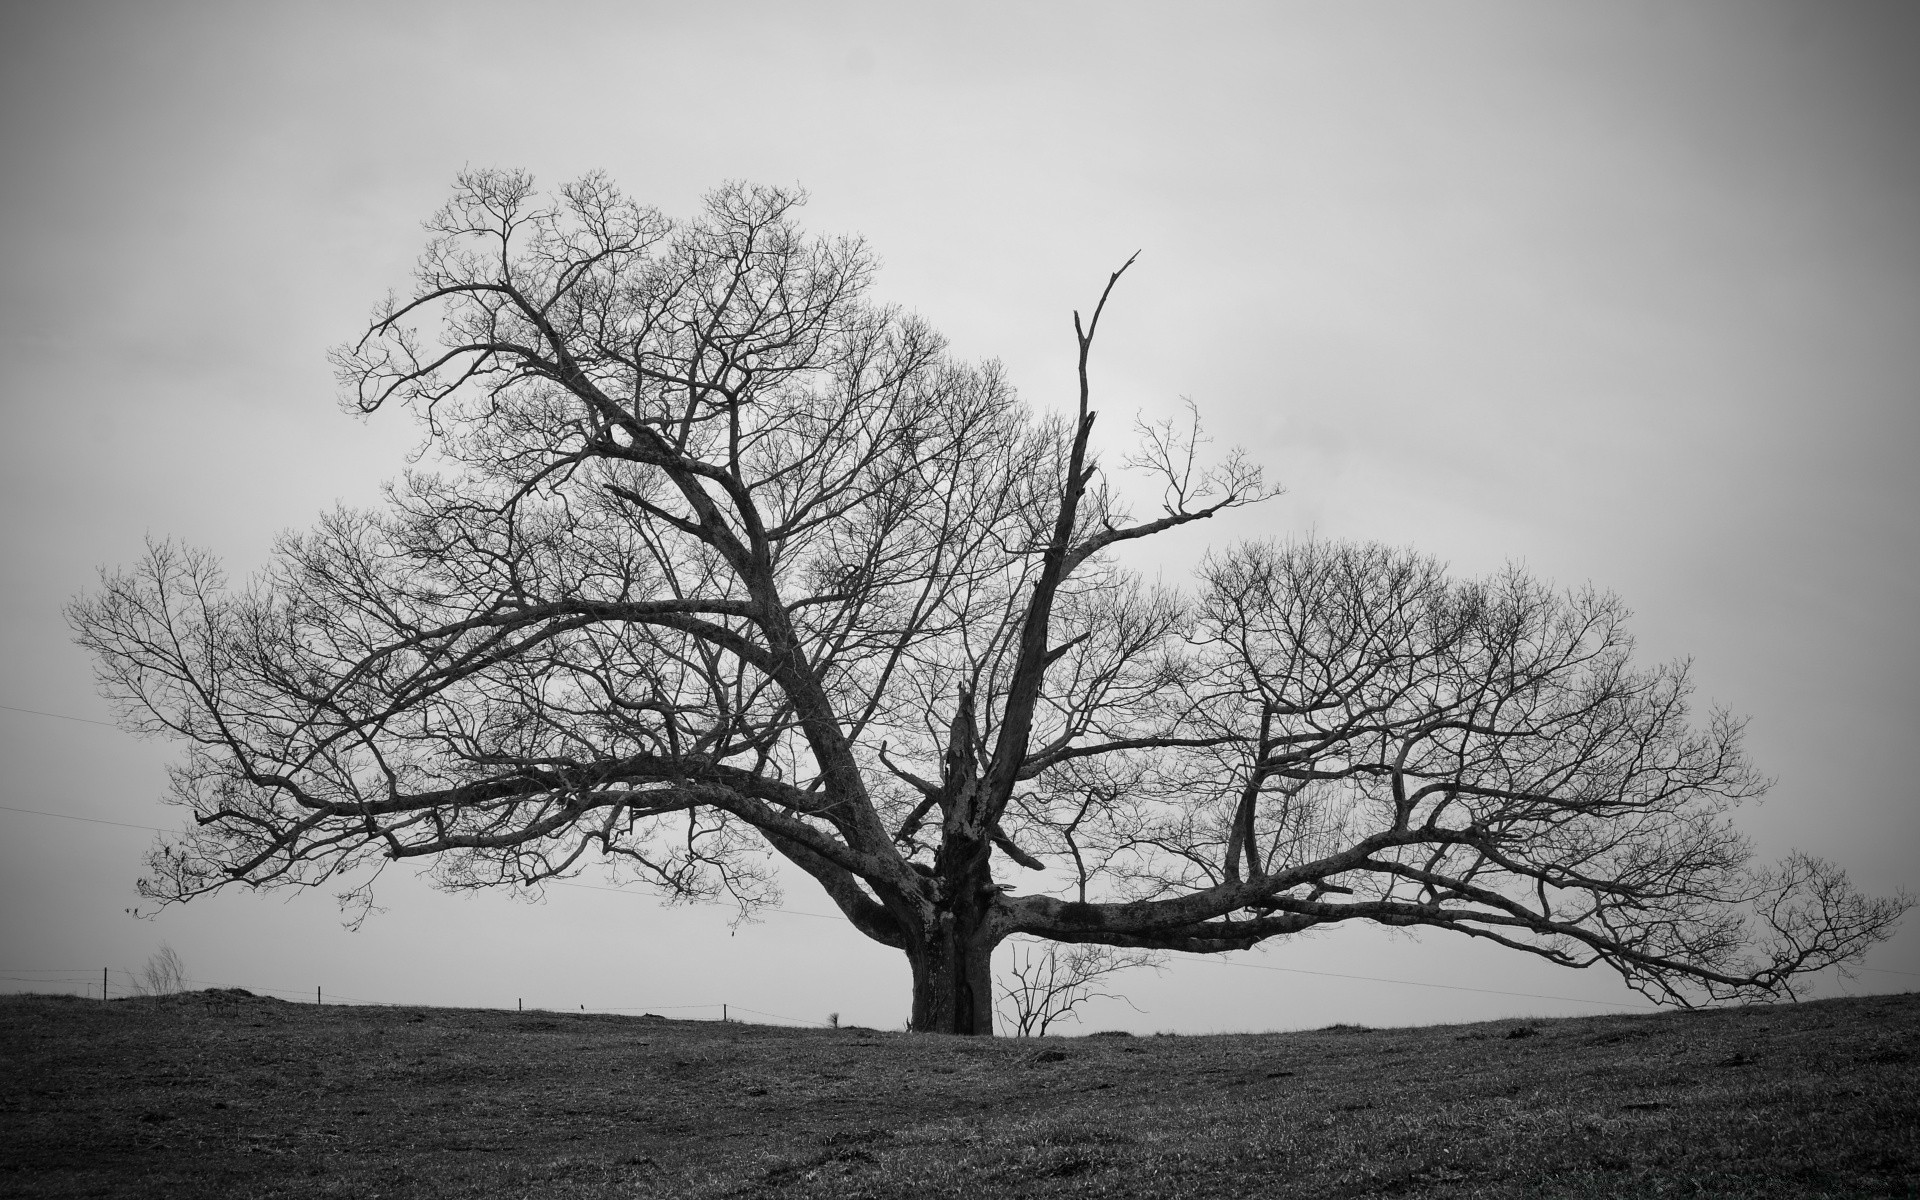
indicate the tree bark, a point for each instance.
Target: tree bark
{"x":953,"y":976}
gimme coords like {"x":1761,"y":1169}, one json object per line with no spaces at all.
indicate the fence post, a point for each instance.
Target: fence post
{"x":103,"y":985}
{"x":316,"y":995}
{"x":723,"y":1014}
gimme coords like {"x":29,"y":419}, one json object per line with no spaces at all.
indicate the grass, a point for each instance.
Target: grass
{"x":221,"y":1094}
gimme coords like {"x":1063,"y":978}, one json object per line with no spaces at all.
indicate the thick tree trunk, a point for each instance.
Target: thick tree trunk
{"x":952,"y":953}
{"x":953,"y":978}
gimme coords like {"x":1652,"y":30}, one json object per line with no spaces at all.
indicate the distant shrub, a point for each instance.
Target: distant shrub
{"x":163,"y":975}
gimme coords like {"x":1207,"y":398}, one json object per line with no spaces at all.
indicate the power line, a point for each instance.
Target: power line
{"x":794,"y":912}
{"x":89,"y":820}
{"x":1452,"y":987}
{"x":791,"y":912}
{"x":776,"y":1016}
{"x":40,"y":712}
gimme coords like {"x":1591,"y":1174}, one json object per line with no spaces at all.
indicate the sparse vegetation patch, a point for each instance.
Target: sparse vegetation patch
{"x":221,"y":1094}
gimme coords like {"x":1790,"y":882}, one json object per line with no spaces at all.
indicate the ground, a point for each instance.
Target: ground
{"x":221,"y":1094}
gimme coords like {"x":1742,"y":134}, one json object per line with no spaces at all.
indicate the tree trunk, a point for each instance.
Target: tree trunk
{"x":951,"y":954}
{"x":953,"y":979}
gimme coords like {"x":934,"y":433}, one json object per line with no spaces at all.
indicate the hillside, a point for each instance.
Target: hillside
{"x":224,"y":1094}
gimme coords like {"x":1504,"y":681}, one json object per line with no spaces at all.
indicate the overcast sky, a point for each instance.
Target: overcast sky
{"x":1629,"y":293}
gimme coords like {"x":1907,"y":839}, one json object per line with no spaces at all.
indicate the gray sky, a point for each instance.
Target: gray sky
{"x":1629,"y":293}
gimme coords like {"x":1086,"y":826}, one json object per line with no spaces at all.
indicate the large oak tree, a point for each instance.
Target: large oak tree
{"x":709,"y":556}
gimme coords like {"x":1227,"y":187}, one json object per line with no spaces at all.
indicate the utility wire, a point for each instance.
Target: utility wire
{"x":1452,"y":987}
{"x":776,"y":1016}
{"x":793,"y":912}
{"x":1490,"y":991}
{"x":51,"y":970}
{"x":40,"y":712}
{"x":89,"y":820}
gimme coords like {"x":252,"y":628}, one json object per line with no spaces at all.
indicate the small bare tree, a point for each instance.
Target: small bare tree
{"x":163,"y":975}
{"x":1046,"y":985}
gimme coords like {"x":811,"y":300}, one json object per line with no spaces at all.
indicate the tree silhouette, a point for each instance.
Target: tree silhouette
{"x":708,"y":558}
{"x":1046,"y":986}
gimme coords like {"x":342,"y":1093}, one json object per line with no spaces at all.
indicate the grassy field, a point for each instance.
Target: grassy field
{"x":223,"y":1094}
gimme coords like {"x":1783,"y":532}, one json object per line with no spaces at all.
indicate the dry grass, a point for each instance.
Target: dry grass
{"x":214,"y":1094}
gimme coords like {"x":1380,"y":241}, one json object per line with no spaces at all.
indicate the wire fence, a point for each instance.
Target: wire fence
{"x":92,"y":984}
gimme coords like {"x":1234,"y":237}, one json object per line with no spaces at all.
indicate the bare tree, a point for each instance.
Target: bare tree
{"x":1046,"y":985}
{"x":709,"y":559}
